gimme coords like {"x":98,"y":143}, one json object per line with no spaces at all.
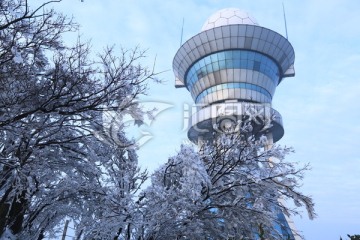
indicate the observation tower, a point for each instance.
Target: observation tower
{"x":231,"y":66}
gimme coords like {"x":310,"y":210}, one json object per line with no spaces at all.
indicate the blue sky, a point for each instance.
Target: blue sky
{"x":320,"y":106}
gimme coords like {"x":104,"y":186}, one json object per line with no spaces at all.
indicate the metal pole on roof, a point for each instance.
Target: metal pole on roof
{"x":182,"y":31}
{"x":285,"y":21}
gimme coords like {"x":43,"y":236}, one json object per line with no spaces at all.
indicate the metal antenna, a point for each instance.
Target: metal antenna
{"x":285,"y":21}
{"x":182,"y":31}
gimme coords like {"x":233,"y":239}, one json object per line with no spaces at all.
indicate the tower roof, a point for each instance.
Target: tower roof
{"x":228,"y":16}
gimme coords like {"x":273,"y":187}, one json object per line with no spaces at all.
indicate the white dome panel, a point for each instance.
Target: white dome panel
{"x":228,"y":16}
{"x":221,"y":22}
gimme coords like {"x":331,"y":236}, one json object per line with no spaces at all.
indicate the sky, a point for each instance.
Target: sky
{"x":320,"y":106}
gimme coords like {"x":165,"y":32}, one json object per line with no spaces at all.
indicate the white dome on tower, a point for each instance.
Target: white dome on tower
{"x":228,"y":16}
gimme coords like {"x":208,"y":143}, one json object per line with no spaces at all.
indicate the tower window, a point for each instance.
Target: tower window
{"x":257,"y":66}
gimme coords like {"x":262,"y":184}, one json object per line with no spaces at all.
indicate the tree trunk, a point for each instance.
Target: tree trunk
{"x":4,"y":209}
{"x":16,"y":214}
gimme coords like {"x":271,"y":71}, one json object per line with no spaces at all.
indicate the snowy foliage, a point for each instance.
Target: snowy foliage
{"x":60,"y":159}
{"x":224,"y":192}
{"x":52,"y":101}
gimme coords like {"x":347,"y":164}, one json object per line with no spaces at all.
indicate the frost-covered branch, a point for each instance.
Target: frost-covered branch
{"x":227,"y":190}
{"x":59,"y":159}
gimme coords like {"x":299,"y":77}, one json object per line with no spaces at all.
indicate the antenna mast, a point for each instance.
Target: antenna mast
{"x":285,"y":21}
{"x":182,"y":31}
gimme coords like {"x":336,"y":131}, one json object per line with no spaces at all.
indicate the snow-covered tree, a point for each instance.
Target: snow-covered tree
{"x":62,"y":156}
{"x":54,"y":161}
{"x":353,"y":237}
{"x":226,"y":191}
{"x":111,"y":211}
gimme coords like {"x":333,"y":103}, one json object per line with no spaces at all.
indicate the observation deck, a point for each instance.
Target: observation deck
{"x":232,"y":60}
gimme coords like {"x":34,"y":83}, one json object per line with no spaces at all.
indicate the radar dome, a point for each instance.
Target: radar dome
{"x":228,"y":16}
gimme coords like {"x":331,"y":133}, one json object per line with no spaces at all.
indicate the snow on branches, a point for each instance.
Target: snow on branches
{"x":226,"y":191}
{"x":52,"y":100}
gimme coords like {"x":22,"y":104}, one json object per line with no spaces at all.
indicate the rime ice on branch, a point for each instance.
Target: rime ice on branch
{"x":52,"y":101}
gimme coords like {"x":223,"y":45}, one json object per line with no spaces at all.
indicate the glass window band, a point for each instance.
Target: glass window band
{"x":232,"y":85}
{"x":232,"y":59}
